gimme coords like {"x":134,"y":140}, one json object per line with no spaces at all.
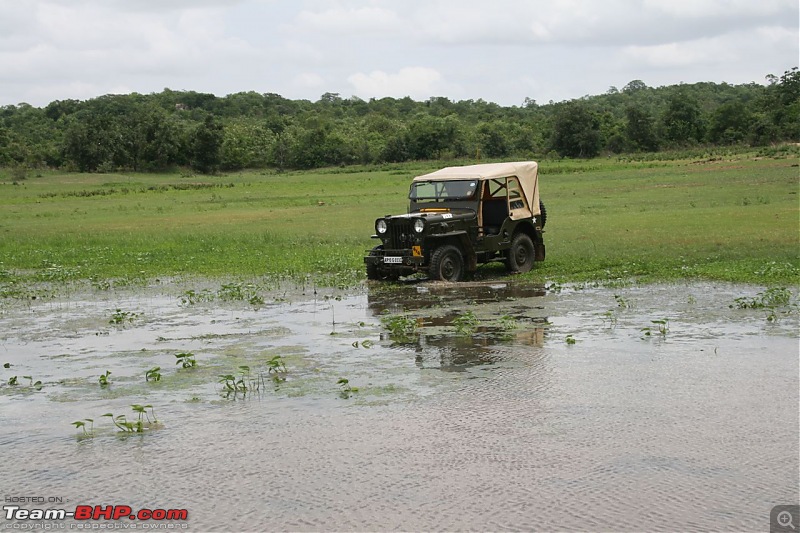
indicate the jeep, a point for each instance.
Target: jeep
{"x":460,"y":217}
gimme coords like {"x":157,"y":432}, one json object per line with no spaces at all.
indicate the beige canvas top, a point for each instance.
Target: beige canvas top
{"x":526,"y":171}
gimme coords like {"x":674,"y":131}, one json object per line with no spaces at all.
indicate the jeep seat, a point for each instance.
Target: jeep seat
{"x":495,"y":213}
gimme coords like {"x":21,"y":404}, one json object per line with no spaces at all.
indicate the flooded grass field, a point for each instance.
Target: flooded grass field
{"x":493,"y":405}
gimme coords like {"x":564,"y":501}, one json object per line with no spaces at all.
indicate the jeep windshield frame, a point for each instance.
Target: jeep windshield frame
{"x":444,"y":190}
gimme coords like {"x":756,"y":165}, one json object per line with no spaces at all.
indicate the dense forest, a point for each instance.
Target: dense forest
{"x":250,"y":130}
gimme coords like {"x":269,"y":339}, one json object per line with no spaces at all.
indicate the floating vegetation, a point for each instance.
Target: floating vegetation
{"x":402,"y":326}
{"x":466,"y":323}
{"x":120,"y":317}
{"x":774,"y":297}
{"x":345,"y":389}
{"x":277,"y":369}
{"x":145,"y":420}
{"x":153,"y":374}
{"x":103,"y":379}
{"x":508,"y":323}
{"x":243,"y":383}
{"x":661,"y":327}
{"x":185,"y":359}
{"x":776,"y":301}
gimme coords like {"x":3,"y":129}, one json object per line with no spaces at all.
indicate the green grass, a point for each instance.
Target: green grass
{"x":733,"y":218}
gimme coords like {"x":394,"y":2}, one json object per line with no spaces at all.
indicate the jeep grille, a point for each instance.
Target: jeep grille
{"x":399,"y":233}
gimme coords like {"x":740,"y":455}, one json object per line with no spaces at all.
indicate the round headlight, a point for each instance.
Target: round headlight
{"x":419,"y":225}
{"x":381,"y":226}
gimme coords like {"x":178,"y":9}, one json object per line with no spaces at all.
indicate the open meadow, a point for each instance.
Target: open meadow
{"x":731,"y":216}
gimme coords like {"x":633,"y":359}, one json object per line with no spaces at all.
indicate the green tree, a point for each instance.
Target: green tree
{"x":576,"y":131}
{"x":682,"y":120}
{"x":640,"y":133}
{"x":493,"y":139}
{"x":206,"y":145}
{"x":731,"y":123}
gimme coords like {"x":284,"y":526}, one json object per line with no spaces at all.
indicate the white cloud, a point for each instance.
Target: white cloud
{"x":368,"y":19}
{"x":309,"y":80}
{"x":716,"y":8}
{"x":417,"y":82}
{"x":721,"y":50}
{"x":55,"y":49}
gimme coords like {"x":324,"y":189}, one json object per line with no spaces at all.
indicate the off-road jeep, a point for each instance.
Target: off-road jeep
{"x":460,"y":217}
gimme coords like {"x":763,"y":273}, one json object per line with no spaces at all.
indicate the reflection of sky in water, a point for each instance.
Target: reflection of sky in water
{"x":500,"y":424}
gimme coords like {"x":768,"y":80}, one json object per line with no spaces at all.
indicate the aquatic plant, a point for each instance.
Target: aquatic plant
{"x":153,"y":374}
{"x":121,"y":422}
{"x":277,"y":369}
{"x":508,"y":323}
{"x":12,"y":381}
{"x":570,"y":339}
{"x":185,"y":359}
{"x":466,"y":323}
{"x":774,"y":297}
{"x":120,"y":317}
{"x":191,"y":297}
{"x":240,"y":292}
{"x":610,"y":317}
{"x":103,"y":379}
{"x":141,"y":410}
{"x":81,"y":424}
{"x":243,"y":383}
{"x":400,"y":325}
{"x":366,"y":343}
{"x":345,"y":389}
{"x":661,"y":327}
{"x":139,"y":426}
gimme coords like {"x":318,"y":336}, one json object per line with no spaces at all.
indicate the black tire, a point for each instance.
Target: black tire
{"x":375,"y":273}
{"x":447,"y":264}
{"x":519,"y":258}
{"x":544,"y":213}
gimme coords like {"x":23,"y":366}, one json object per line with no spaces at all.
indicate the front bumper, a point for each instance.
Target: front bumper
{"x":403,"y":259}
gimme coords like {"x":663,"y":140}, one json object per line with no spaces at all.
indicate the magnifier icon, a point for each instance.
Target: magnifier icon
{"x":785,"y":519}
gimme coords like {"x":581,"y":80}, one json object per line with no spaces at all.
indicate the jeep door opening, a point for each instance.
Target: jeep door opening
{"x":460,"y":217}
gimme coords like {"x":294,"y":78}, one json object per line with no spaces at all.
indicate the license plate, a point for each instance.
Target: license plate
{"x":393,"y":260}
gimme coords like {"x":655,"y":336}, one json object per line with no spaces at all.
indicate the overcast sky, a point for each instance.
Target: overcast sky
{"x":500,"y":51}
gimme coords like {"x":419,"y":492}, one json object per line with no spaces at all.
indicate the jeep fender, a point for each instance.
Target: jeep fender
{"x":460,"y":239}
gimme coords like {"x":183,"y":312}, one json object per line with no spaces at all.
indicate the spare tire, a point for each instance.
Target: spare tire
{"x":544,"y":213}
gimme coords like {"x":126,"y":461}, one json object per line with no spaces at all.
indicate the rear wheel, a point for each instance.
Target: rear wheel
{"x":447,"y":264}
{"x":544,"y":213}
{"x":519,"y":258}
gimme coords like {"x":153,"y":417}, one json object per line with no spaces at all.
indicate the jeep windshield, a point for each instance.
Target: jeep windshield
{"x":443,"y":190}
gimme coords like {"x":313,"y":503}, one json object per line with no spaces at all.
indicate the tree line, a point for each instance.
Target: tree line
{"x":170,"y":129}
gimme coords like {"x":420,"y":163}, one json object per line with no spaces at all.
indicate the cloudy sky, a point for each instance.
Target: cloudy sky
{"x":500,"y":50}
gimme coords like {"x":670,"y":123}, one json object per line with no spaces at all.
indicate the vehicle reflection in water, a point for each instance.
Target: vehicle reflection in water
{"x":439,"y":342}
{"x":416,"y":294}
{"x":456,"y":353}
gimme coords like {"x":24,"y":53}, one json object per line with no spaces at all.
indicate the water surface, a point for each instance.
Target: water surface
{"x":483,"y":416}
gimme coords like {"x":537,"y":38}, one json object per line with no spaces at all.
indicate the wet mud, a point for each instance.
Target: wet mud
{"x":490,"y":405}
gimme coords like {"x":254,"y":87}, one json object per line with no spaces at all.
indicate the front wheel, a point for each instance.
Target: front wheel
{"x":447,"y":264}
{"x":519,"y":258}
{"x":375,"y":273}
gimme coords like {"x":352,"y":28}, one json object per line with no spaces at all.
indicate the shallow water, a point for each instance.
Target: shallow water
{"x":483,"y":418}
